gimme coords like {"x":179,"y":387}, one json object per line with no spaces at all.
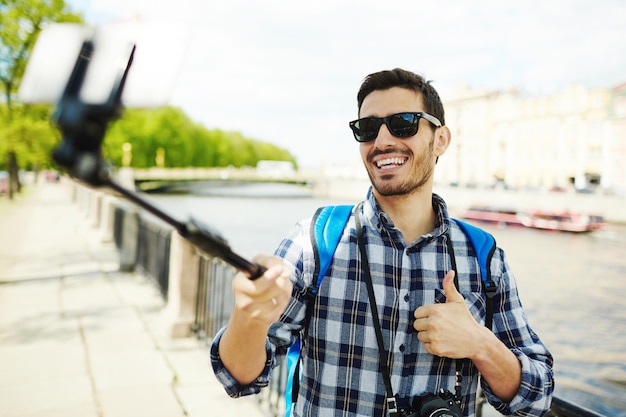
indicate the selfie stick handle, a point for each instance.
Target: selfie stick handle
{"x":199,"y":234}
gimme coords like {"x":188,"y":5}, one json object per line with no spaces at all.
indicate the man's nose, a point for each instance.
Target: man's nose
{"x":384,"y":136}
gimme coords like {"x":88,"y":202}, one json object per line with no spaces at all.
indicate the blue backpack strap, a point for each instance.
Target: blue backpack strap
{"x":484,"y":245}
{"x":327,"y":227}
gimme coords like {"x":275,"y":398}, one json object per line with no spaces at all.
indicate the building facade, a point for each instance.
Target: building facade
{"x":573,"y":139}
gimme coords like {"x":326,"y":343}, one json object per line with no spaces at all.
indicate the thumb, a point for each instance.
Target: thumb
{"x":452,"y":294}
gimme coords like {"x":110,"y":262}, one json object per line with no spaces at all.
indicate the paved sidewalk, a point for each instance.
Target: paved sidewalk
{"x":78,"y":338}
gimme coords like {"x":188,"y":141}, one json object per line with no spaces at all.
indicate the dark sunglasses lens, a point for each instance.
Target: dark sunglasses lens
{"x":403,"y":125}
{"x":367,"y":129}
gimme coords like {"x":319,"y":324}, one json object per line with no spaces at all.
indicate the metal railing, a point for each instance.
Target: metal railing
{"x":215,"y":299}
{"x":153,"y":252}
{"x":214,"y":305}
{"x":118,"y":226}
{"x":143,"y":244}
{"x":564,"y":408}
{"x":558,"y":408}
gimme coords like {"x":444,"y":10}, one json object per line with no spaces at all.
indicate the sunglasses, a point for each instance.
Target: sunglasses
{"x":400,"y":125}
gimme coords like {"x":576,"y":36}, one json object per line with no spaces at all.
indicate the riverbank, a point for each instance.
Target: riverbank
{"x":611,"y":207}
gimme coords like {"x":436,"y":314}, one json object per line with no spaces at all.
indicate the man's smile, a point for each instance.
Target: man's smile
{"x":389,"y":163}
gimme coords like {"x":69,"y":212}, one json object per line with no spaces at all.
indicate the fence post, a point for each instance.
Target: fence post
{"x":130,"y":232}
{"x":107,"y":218}
{"x":94,"y":207}
{"x":180,"y":311}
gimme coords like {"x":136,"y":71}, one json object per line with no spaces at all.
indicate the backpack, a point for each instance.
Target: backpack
{"x":328,"y":224}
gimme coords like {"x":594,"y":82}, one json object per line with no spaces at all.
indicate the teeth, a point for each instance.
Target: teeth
{"x":390,"y":161}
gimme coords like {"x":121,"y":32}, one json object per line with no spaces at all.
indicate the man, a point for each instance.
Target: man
{"x":429,"y":328}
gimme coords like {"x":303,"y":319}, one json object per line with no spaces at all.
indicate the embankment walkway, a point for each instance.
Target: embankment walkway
{"x":78,"y":338}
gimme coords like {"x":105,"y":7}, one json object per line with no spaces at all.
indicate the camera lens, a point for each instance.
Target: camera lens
{"x":433,"y":405}
{"x":442,"y":412}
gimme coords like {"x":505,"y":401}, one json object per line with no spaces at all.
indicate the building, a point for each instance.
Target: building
{"x":576,"y":138}
{"x":615,"y":151}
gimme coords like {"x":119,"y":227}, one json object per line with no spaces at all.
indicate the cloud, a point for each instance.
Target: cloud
{"x":288,"y":72}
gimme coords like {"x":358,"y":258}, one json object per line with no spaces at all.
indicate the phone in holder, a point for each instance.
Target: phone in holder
{"x":158,"y":59}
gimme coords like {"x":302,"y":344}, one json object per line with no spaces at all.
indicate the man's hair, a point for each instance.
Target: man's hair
{"x":387,"y":79}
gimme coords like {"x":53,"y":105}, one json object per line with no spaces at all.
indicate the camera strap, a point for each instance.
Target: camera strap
{"x":458,"y":375}
{"x":392,"y":402}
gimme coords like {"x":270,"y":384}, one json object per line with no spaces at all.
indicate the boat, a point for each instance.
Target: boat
{"x":563,"y":221}
{"x":494,"y":215}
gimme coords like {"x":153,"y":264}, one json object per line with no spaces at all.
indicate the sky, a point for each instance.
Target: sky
{"x":287,"y":72}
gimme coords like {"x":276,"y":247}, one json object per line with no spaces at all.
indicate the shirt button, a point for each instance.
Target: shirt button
{"x":401,"y":348}
{"x":407,"y":298}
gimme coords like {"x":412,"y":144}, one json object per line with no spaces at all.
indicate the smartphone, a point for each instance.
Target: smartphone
{"x":158,"y":59}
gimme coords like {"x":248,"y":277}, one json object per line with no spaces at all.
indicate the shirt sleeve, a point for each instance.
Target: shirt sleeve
{"x":512,"y":328}
{"x":230,"y":384}
{"x":283,"y":333}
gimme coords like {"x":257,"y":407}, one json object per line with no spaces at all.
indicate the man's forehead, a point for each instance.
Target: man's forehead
{"x":390,"y":101}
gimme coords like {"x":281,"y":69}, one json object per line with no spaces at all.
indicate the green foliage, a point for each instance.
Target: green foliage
{"x":21,"y":21}
{"x":186,"y":143}
{"x":32,"y":136}
{"x":25,"y":130}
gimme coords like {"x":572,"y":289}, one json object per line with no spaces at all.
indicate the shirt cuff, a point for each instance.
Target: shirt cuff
{"x":233,"y":388}
{"x":535,"y":392}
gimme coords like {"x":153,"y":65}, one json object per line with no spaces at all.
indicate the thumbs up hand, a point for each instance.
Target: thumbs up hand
{"x":448,"y":329}
{"x":452,"y":294}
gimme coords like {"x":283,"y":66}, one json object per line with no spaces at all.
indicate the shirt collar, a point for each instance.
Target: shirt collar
{"x":380,"y":220}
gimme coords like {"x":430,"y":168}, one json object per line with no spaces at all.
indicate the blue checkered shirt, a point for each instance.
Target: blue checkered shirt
{"x":340,"y":371}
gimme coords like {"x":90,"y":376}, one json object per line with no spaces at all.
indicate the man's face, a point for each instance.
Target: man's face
{"x":398,"y":166}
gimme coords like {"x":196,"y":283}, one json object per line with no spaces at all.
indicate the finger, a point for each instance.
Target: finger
{"x":417,"y":325}
{"x":423,"y":337}
{"x":452,"y":294}
{"x":425,"y":311}
{"x":420,"y":312}
{"x":248,"y":293}
{"x":268,"y":261}
{"x":420,"y":324}
{"x":276,"y":270}
{"x":278,"y":286}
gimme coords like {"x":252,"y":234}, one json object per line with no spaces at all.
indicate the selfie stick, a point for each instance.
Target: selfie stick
{"x":83,"y":126}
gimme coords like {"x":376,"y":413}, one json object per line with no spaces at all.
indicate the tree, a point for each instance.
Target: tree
{"x":186,"y":143}
{"x":21,"y":21}
{"x":32,"y":134}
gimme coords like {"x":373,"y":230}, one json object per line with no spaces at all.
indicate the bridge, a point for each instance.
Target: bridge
{"x":351,"y":185}
{"x":151,"y":179}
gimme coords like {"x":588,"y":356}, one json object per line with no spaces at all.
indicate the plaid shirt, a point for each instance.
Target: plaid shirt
{"x":340,"y":372}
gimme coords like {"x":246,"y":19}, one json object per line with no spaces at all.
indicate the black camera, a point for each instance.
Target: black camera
{"x":443,"y":404}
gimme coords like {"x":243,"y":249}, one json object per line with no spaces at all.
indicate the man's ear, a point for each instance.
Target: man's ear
{"x":443,"y":138}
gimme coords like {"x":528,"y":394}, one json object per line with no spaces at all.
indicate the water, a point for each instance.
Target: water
{"x":572,"y":285}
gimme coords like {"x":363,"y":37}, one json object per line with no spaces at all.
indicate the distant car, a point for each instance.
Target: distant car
{"x":52,"y":176}
{"x":4,"y":182}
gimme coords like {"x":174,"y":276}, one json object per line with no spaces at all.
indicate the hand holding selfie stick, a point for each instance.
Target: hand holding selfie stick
{"x":83,"y":127}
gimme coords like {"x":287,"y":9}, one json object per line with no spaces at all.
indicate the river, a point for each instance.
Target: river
{"x":572,"y":285}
